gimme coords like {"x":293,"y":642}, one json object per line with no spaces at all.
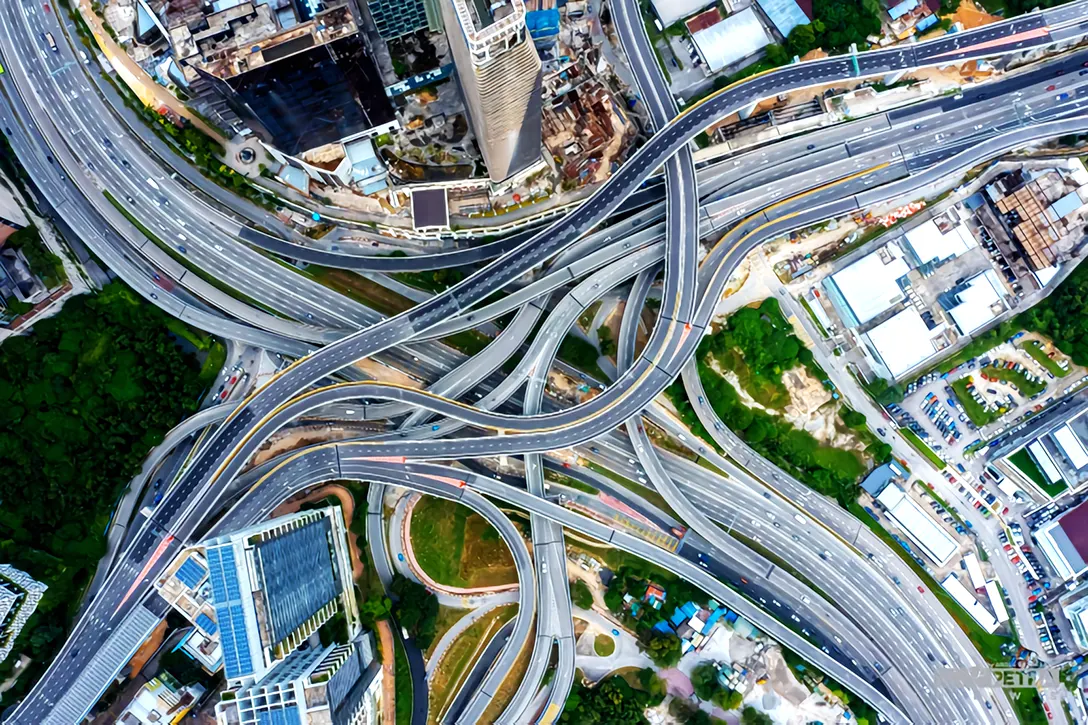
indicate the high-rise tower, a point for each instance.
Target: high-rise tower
{"x":499,"y":72}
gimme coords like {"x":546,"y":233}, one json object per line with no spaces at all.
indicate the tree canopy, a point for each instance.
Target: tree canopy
{"x":612,"y":702}
{"x":416,"y":609}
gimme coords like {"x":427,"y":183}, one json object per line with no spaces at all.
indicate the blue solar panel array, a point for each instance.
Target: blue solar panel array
{"x":228,"y":610}
{"x":298,"y":576}
{"x":280,"y":716}
{"x":206,"y":623}
{"x":785,"y":15}
{"x":190,"y":573}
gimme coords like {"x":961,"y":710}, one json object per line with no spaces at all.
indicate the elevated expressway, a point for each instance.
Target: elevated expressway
{"x":195,"y":495}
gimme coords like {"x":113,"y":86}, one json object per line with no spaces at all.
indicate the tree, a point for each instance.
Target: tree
{"x":376,"y":608}
{"x":704,"y":680}
{"x":605,"y":342}
{"x":580,"y":595}
{"x":613,"y":599}
{"x":727,"y":699}
{"x":852,"y":418}
{"x":653,"y":685}
{"x":663,"y":649}
{"x":416,"y":609}
{"x":775,"y":55}
{"x":612,"y":701}
{"x":801,"y":40}
{"x":752,"y":716}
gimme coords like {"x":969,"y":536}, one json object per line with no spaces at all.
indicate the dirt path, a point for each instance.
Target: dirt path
{"x":347,"y":503}
{"x":389,"y":689}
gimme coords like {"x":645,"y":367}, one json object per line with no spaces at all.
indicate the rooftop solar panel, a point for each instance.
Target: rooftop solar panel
{"x":206,"y":623}
{"x":228,"y":610}
{"x":190,"y":573}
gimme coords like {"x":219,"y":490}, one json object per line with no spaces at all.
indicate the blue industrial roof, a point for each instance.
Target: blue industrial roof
{"x":926,"y":22}
{"x":690,"y":609}
{"x":678,"y":618}
{"x":1067,"y":204}
{"x":226,"y":594}
{"x":190,"y":573}
{"x":280,"y":716}
{"x":297,"y":575}
{"x":785,"y":15}
{"x":902,"y":9}
{"x":206,"y":623}
{"x":880,"y":476}
{"x":663,"y":626}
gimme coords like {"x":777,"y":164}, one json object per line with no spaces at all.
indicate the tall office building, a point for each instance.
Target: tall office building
{"x":500,"y":75}
{"x":274,"y":585}
{"x":394,"y":18}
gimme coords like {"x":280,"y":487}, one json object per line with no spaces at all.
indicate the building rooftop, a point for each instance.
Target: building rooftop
{"x":669,"y":11}
{"x":1064,"y":542}
{"x":920,"y":528}
{"x":297,"y":575}
{"x":869,"y":286}
{"x":733,"y":39}
{"x":881,"y":476}
{"x":1071,"y":446}
{"x":902,"y":343}
{"x":933,"y":242}
{"x":976,"y":302}
{"x":785,"y":15}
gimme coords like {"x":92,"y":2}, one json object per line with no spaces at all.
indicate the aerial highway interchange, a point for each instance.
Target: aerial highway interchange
{"x":74,"y":146}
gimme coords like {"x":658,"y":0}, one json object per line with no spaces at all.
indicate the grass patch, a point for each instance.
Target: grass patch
{"x":360,"y":289}
{"x":1028,"y":706}
{"x":402,"y":683}
{"x":1023,"y":460}
{"x":569,"y":482}
{"x":922,"y":448}
{"x":988,"y":645}
{"x":604,"y":645}
{"x":768,"y":391}
{"x":213,"y":363}
{"x":812,"y":316}
{"x":458,"y":547}
{"x":460,"y":656}
{"x":586,"y":318}
{"x":644,"y":491}
{"x":447,"y":617}
{"x":509,"y":687}
{"x":470,"y":342}
{"x":581,"y":354}
{"x":978,"y":415}
{"x":1027,"y":388}
{"x":1035,"y":350}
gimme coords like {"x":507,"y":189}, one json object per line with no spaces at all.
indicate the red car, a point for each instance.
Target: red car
{"x":921,"y":590}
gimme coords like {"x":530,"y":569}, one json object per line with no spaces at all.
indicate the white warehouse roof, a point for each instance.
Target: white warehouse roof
{"x":1044,"y":461}
{"x":973,"y":606}
{"x":930,"y":244}
{"x":1072,"y":447}
{"x":669,"y":11}
{"x":920,"y":528}
{"x":902,"y":342}
{"x":974,"y":571}
{"x":733,"y":39}
{"x":868,"y":286}
{"x":981,"y":302}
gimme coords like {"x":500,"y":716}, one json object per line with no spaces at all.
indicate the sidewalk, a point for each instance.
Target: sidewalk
{"x":389,"y":688}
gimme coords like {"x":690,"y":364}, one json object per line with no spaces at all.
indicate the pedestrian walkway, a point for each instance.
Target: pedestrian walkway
{"x":389,"y":656}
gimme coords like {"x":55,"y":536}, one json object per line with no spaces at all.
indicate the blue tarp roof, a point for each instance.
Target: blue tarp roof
{"x":542,"y":23}
{"x":926,"y":22}
{"x":663,"y":627}
{"x":785,"y":15}
{"x":690,"y":609}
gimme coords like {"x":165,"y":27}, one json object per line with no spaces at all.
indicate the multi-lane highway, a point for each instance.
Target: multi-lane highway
{"x":196,"y":495}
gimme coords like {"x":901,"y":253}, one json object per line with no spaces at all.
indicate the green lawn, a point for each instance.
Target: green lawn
{"x":1033,"y":348}
{"x":1026,"y":387}
{"x":1023,"y":460}
{"x":978,"y":415}
{"x":604,"y":645}
{"x":457,"y":547}
{"x":925,"y":450}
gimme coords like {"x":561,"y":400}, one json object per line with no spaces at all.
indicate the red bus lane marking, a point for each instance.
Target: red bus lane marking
{"x":147,"y":567}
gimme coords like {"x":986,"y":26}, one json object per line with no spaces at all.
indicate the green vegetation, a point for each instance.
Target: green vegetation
{"x":416,"y":609}
{"x":922,"y":448}
{"x":580,"y":595}
{"x":1025,"y":387}
{"x":836,"y":24}
{"x":402,"y":682}
{"x":444,"y":682}
{"x":704,"y":680}
{"x":578,"y":485}
{"x":1035,"y":350}
{"x":83,"y":398}
{"x":1028,"y":706}
{"x":43,"y":264}
{"x":1023,"y":460}
{"x":581,"y":354}
{"x":605,"y":343}
{"x":882,"y":391}
{"x":752,"y":716}
{"x":435,"y":281}
{"x":604,"y":645}
{"x":612,"y":702}
{"x":863,"y":713}
{"x":458,"y":547}
{"x":812,"y":316}
{"x":586,"y":318}
{"x":978,"y":415}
